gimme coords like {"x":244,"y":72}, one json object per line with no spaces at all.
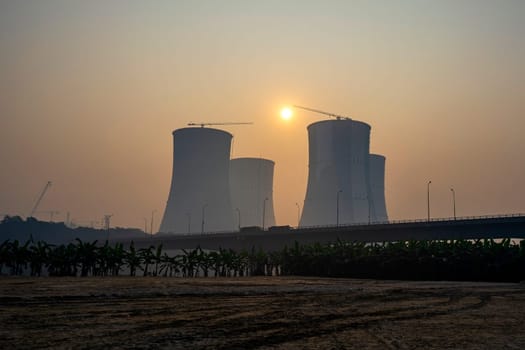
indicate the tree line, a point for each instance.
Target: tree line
{"x":473,"y":260}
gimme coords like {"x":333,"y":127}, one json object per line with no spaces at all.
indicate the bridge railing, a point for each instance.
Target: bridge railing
{"x":412,"y":221}
{"x":450,"y":220}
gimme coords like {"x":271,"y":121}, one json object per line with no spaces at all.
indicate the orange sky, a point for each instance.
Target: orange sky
{"x":91,"y":91}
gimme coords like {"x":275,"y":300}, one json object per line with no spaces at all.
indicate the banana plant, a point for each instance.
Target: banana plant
{"x":39,"y":255}
{"x":132,"y":259}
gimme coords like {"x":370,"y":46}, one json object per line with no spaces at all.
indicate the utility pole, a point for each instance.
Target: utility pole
{"x":146,"y":227}
{"x":239,"y":212}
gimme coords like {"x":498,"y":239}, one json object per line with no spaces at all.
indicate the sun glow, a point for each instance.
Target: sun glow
{"x":286,"y":113}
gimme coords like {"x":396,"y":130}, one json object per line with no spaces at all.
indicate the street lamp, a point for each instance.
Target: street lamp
{"x":107,"y":219}
{"x":369,"y":210}
{"x":298,"y":213}
{"x":151,"y":223}
{"x":264,"y":212}
{"x":337,"y":211}
{"x":428,"y":200}
{"x":239,"y":212}
{"x":454,"y":201}
{"x":188,"y":214}
{"x":203,"y":212}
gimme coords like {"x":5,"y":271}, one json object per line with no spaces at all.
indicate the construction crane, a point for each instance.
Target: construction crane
{"x":226,"y":123}
{"x":338,"y":117}
{"x":35,"y":207}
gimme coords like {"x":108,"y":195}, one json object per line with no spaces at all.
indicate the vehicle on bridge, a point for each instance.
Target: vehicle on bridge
{"x":251,"y":229}
{"x":283,"y":228}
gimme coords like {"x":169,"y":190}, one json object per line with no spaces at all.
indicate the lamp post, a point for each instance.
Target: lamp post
{"x":146,"y":227}
{"x":239,"y":212}
{"x":107,"y":219}
{"x":428,"y":200}
{"x":264,"y":212}
{"x":454,"y":201}
{"x":337,"y":210}
{"x":369,"y":210}
{"x":298,"y":213}
{"x":188,"y":214}
{"x":151,"y":223}
{"x":203,"y":212}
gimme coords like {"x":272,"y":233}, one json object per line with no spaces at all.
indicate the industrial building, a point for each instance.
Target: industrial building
{"x":210,"y":193}
{"x":377,"y":187}
{"x":199,"y":197}
{"x":251,"y":188}
{"x":339,"y":189}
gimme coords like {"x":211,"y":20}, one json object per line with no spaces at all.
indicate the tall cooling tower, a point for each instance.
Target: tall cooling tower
{"x":251,"y":186}
{"x":377,"y":186}
{"x":200,"y":182}
{"x":338,"y":161}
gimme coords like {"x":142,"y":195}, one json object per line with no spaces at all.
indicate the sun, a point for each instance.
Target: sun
{"x":286,"y":113}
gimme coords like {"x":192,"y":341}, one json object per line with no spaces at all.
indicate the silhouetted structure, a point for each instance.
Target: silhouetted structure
{"x":339,"y":174}
{"x":200,"y":182}
{"x":377,"y":186}
{"x":251,"y":186}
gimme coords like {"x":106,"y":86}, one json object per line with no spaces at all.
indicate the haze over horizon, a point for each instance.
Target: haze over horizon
{"x":90,"y":93}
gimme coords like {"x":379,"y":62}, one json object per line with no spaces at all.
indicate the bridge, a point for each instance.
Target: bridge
{"x":275,"y":238}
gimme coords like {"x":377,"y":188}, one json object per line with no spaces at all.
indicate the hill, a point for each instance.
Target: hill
{"x":14,"y":227}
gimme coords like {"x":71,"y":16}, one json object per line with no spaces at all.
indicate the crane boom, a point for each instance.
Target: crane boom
{"x":338,"y":117}
{"x":35,"y":207}
{"x":225,"y":123}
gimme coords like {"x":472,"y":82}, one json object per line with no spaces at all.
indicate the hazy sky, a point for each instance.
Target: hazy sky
{"x":90,"y":92}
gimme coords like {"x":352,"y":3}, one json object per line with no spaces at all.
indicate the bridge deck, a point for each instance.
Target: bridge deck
{"x":471,"y":228}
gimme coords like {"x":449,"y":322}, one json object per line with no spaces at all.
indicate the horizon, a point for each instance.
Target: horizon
{"x":91,"y":92}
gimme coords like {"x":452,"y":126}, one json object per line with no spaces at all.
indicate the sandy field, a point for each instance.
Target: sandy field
{"x":258,"y":313}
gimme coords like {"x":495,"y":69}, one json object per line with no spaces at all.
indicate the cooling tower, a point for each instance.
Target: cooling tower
{"x":377,"y":186}
{"x":251,"y":182}
{"x":200,"y":182}
{"x":338,"y":168}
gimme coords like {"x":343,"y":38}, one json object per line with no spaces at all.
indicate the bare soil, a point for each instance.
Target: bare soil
{"x":258,"y":313}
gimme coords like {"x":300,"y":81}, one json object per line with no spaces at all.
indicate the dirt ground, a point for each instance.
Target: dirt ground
{"x":258,"y":313}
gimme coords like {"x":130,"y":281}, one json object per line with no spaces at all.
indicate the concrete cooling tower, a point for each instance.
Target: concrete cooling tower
{"x":199,"y":198}
{"x":338,"y":169}
{"x":377,"y":186}
{"x":251,"y":186}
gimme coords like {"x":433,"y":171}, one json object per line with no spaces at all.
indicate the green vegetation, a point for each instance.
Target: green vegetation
{"x":480,"y":260}
{"x":458,"y":260}
{"x":91,"y":259}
